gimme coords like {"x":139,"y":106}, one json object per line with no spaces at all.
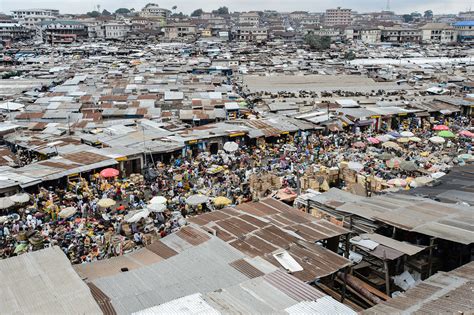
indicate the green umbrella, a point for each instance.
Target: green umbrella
{"x":446,"y":134}
{"x":465,"y":156}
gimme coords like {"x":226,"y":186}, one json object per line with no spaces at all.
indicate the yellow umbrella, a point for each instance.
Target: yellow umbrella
{"x":221,"y":201}
{"x":403,"y":140}
{"x":424,"y":154}
{"x":106,"y":203}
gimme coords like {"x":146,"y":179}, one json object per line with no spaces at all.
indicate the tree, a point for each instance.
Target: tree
{"x":93,"y":14}
{"x":122,"y":11}
{"x":221,"y":11}
{"x":428,"y":15}
{"x":316,"y":42}
{"x":197,"y":12}
{"x":349,"y":55}
{"x":174,"y":7}
{"x":106,"y":13}
{"x":407,"y":18}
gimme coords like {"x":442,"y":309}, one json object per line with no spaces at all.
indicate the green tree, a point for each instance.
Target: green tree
{"x":428,"y":15}
{"x":106,"y":13}
{"x":316,"y":42}
{"x":197,"y":12}
{"x":349,"y":55}
{"x":221,"y":11}
{"x":407,"y":18}
{"x":93,"y":14}
{"x":122,"y":11}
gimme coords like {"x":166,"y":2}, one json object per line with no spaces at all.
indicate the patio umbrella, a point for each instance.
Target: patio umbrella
{"x":6,"y":203}
{"x":446,"y":134}
{"x":195,"y":200}
{"x":440,"y":127}
{"x":106,"y":203}
{"x":67,"y":212}
{"x":156,"y":207}
{"x":356,"y":166}
{"x":465,"y":156}
{"x":385,"y":156}
{"x":383,"y":138}
{"x":403,"y":140}
{"x":137,"y":216}
{"x":109,"y":172}
{"x":20,"y":198}
{"x":373,"y":140}
{"x":407,"y":134}
{"x":214,"y":169}
{"x":359,"y":144}
{"x":467,"y":134}
{"x":394,"y":134}
{"x":408,"y":166}
{"x":391,"y":145}
{"x":158,"y":200}
{"x":397,"y":182}
{"x":423,"y":180}
{"x":221,"y":201}
{"x":414,"y":139}
{"x":437,"y":140}
{"x":393,"y":163}
{"x":231,"y":146}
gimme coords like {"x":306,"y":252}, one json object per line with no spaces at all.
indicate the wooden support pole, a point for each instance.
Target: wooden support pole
{"x":387,"y":278}
{"x":430,"y":257}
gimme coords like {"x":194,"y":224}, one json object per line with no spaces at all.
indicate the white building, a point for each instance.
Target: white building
{"x":339,"y":16}
{"x":370,"y":35}
{"x":30,"y":18}
{"x":152,"y":10}
{"x":115,"y":30}
{"x":252,"y":34}
{"x":250,"y":18}
{"x":465,"y":31}
{"x":441,"y":33}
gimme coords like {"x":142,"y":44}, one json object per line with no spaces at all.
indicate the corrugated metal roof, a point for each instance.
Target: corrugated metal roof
{"x":43,"y":282}
{"x":325,"y":305}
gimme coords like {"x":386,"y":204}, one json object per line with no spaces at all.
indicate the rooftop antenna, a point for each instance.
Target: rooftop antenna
{"x":388,"y":5}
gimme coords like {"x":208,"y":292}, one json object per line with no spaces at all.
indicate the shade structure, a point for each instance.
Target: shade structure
{"x":109,"y":172}
{"x":158,"y":200}
{"x":403,"y":140}
{"x":465,"y":156}
{"x":231,"y":146}
{"x":385,"y":156}
{"x":137,"y":216}
{"x":422,"y":180}
{"x":373,"y":140}
{"x":6,"y":203}
{"x":393,"y":163}
{"x":394,"y":134}
{"x":466,"y":133}
{"x":383,"y":138}
{"x":356,"y":166}
{"x":408,"y":166}
{"x":440,"y":127}
{"x":214,"y":169}
{"x":446,"y":134}
{"x":20,"y":198}
{"x":221,"y":201}
{"x":156,"y":207}
{"x":397,"y":182}
{"x":359,"y":144}
{"x":407,"y":134}
{"x":11,"y":106}
{"x":195,"y":200}
{"x":67,"y":212}
{"x":106,"y":202}
{"x":414,"y":139}
{"x":391,"y":145}
{"x":437,"y":140}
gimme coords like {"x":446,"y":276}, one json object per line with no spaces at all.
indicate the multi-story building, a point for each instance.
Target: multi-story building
{"x":441,"y":33}
{"x":180,"y":31}
{"x":339,"y":16}
{"x":400,"y":35}
{"x":61,"y":32}
{"x":370,"y":35}
{"x":11,"y":31}
{"x":251,"y":34}
{"x":334,"y":34}
{"x":30,"y":18}
{"x":249,"y":18}
{"x":467,"y":15}
{"x":465,"y":31}
{"x":152,"y":10}
{"x":116,"y":30}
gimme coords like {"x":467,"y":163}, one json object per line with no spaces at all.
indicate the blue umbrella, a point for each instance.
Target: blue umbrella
{"x":395,"y":134}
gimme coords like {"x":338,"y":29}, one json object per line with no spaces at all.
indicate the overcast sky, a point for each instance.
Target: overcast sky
{"x":187,"y":6}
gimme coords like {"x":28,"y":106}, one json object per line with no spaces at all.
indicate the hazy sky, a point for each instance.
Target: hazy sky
{"x":186,"y":6}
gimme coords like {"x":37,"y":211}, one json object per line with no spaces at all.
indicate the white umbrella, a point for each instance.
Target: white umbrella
{"x":356,"y":166}
{"x":438,"y":175}
{"x":20,"y":198}
{"x":407,"y":134}
{"x":67,"y":212}
{"x":137,"y":216}
{"x":195,"y":200}
{"x":437,"y":140}
{"x":158,"y":200}
{"x":383,"y":138}
{"x":3,"y":219}
{"x":156,"y":207}
{"x":6,"y":203}
{"x":231,"y":146}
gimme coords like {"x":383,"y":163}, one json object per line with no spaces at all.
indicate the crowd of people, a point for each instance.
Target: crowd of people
{"x":95,"y":218}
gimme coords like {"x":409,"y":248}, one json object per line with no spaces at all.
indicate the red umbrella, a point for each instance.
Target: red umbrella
{"x":359,"y":144}
{"x":467,"y":133}
{"x":440,"y":127}
{"x":109,"y":172}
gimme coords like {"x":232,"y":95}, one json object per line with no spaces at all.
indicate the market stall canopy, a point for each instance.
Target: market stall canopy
{"x":109,"y":172}
{"x":156,"y":207}
{"x":6,"y":203}
{"x":67,"y":212}
{"x":158,"y":200}
{"x":20,"y":198}
{"x":195,"y":200}
{"x":106,"y":203}
{"x":136,"y":216}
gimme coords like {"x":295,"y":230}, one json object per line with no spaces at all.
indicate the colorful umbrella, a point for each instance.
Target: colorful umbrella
{"x":373,"y":140}
{"x":397,"y":182}
{"x":394,"y":134}
{"x":383,"y":138}
{"x":106,"y":203}
{"x":440,"y":127}
{"x":221,"y":201}
{"x":359,"y":144}
{"x":385,"y":156}
{"x":407,"y":134}
{"x":437,"y":140}
{"x":391,"y":145}
{"x":109,"y":172}
{"x":414,"y":139}
{"x":446,"y":134}
{"x":403,"y":140}
{"x":393,"y":163}
{"x":465,"y":156}
{"x":467,"y":134}
{"x":408,"y":166}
